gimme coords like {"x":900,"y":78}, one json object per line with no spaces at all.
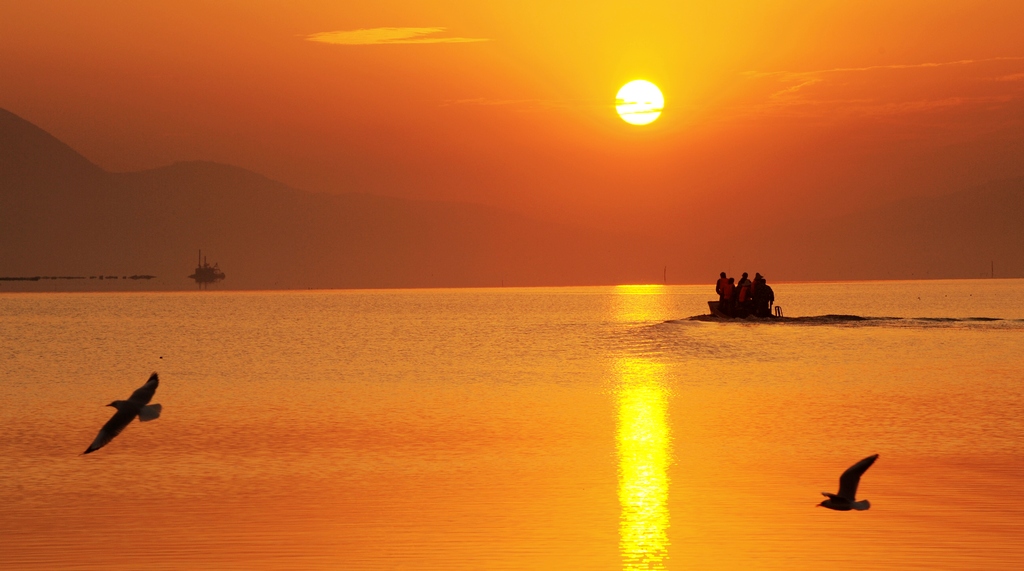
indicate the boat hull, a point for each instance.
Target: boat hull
{"x":713,"y":306}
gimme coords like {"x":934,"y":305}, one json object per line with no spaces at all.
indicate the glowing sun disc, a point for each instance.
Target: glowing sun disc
{"x":639,"y":102}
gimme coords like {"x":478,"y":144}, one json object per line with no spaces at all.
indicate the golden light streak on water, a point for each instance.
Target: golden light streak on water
{"x":641,"y":303}
{"x":507,"y":429}
{"x":643,"y":447}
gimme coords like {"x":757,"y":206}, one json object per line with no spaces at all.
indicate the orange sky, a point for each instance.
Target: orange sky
{"x":801,"y":106}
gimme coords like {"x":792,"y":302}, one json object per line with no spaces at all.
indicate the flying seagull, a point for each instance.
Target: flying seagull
{"x":136,"y":405}
{"x":846,"y":499}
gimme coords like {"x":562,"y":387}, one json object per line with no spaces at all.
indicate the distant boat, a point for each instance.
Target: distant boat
{"x":205,"y":273}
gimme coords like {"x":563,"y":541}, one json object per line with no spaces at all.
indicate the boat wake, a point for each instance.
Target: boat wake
{"x":840,"y":319}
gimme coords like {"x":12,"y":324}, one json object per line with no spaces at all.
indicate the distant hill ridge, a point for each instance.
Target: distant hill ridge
{"x":27,"y":151}
{"x":62,"y":215}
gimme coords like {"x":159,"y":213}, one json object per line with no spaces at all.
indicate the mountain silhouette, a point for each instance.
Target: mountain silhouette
{"x":29,"y":154}
{"x":62,"y":215}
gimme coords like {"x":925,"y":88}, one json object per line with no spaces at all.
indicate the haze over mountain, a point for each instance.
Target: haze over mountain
{"x":62,"y":215}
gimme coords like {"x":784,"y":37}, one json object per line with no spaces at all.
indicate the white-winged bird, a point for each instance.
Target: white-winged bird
{"x":846,"y":499}
{"x":136,"y":405}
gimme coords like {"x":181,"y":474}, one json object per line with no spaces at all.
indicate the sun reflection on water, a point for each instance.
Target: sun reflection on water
{"x":641,"y":303}
{"x":643,"y":448}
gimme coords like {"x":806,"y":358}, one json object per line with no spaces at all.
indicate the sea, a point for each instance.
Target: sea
{"x":515,"y":429}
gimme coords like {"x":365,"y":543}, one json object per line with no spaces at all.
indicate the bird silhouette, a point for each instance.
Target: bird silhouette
{"x":136,"y":405}
{"x":846,"y":499}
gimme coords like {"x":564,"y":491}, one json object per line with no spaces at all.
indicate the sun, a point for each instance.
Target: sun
{"x":639,"y":102}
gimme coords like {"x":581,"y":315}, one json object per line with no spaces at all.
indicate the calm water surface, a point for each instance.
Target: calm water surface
{"x":590,"y":428}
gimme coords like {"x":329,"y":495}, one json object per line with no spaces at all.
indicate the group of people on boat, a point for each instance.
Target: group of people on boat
{"x":745,"y":298}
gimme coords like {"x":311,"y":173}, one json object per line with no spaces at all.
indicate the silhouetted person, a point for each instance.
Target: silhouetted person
{"x":763,"y":297}
{"x":728,"y":301}
{"x":846,"y":499}
{"x":743,"y":301}
{"x":136,"y":405}
{"x":720,"y":287}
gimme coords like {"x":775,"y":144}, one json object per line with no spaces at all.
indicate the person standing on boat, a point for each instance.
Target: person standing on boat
{"x":720,"y":287}
{"x":727,"y":302}
{"x":743,"y":297}
{"x":761,"y":290}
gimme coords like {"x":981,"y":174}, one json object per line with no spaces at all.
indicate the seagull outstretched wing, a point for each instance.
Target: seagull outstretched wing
{"x":144,"y":394}
{"x":127,"y":411}
{"x":850,"y":479}
{"x":112,"y":428}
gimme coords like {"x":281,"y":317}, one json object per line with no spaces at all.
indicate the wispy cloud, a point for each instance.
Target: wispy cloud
{"x":817,"y":72}
{"x":793,"y":89}
{"x":527,"y":105}
{"x":1011,"y":77}
{"x":380,"y":36}
{"x":518,"y":103}
{"x":872,"y":91}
